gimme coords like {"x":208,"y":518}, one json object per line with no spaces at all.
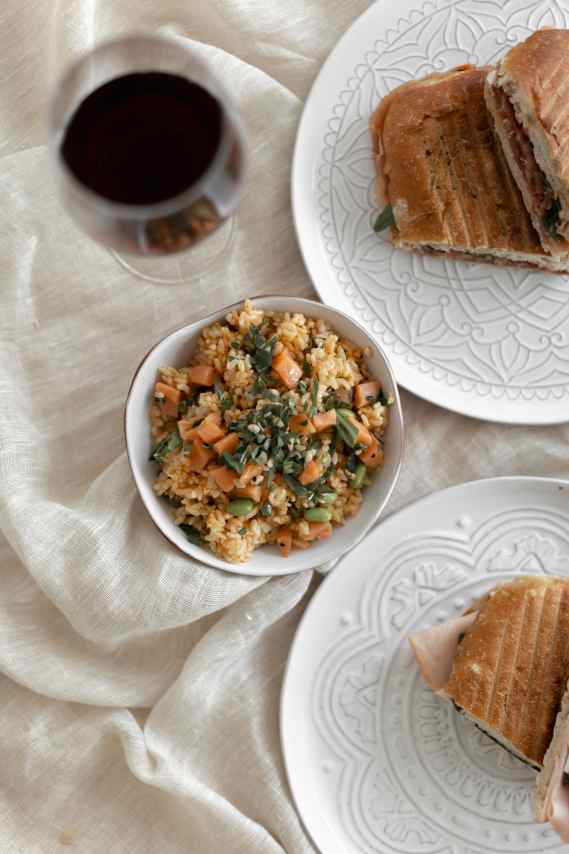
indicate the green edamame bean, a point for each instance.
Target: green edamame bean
{"x":327,"y":497}
{"x":240,"y":506}
{"x":359,"y":475}
{"x":317,"y":514}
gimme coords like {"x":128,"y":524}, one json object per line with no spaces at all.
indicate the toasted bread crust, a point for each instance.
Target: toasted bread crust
{"x":443,"y":171}
{"x":535,"y":74}
{"x":511,"y":669}
{"x":557,"y":247}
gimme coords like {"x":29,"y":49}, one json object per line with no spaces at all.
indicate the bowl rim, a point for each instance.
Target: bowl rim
{"x":210,"y":559}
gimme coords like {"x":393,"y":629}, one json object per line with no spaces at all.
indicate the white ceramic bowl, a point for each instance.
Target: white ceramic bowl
{"x":176,"y":350}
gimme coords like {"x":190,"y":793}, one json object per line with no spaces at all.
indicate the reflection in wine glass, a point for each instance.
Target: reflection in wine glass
{"x":149,"y":151}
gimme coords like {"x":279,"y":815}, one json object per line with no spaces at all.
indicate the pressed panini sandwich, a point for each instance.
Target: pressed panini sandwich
{"x":527,"y":95}
{"x":444,"y":175}
{"x":505,"y":663}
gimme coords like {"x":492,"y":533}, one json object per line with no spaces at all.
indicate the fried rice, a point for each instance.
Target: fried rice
{"x":269,"y":435}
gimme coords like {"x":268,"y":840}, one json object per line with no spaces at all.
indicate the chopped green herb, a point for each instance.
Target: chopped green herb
{"x":333,"y":402}
{"x":314,"y":396}
{"x":301,"y":387}
{"x":260,"y":350}
{"x":259,"y":387}
{"x":242,"y":531}
{"x":224,"y":399}
{"x":306,"y":368}
{"x":235,"y":344}
{"x":266,"y":509}
{"x":233,"y":461}
{"x":384,"y":220}
{"x":291,"y":466}
{"x":352,"y":463}
{"x":296,"y":486}
{"x":346,"y":430}
{"x":314,"y":444}
{"x":192,"y":534}
{"x":166,"y":446}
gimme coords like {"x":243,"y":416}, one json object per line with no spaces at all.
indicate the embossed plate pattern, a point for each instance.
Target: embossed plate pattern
{"x":375,"y":761}
{"x":485,"y":341}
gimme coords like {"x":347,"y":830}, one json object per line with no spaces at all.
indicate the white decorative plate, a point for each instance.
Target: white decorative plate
{"x":485,"y":341}
{"x":375,"y":761}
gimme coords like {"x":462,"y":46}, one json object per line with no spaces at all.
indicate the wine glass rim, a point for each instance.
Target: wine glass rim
{"x":165,"y":207}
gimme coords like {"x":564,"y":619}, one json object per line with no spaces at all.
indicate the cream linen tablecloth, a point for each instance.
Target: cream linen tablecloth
{"x":139,"y":691}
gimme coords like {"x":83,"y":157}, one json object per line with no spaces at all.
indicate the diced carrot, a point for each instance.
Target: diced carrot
{"x":364,"y":437}
{"x":366,"y":393}
{"x":228,"y":443}
{"x":373,"y":455}
{"x":319,"y":530}
{"x":210,"y":430}
{"x":168,"y":407}
{"x":323,"y":420}
{"x":200,"y":455}
{"x":187,"y":430}
{"x":310,"y":472}
{"x":301,"y":424}
{"x":224,"y":477}
{"x":284,"y":541}
{"x":249,"y":472}
{"x":286,"y":368}
{"x":201,"y":375}
{"x":252,"y":492}
{"x":173,"y":394}
{"x":169,"y":398}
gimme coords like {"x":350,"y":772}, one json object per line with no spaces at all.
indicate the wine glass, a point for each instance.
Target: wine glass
{"x":149,"y":214}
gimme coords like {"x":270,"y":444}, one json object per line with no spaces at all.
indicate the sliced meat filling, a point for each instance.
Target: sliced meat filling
{"x":546,"y":205}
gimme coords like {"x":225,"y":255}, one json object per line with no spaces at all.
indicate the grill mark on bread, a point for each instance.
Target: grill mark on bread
{"x":556,"y":70}
{"x":456,"y":188}
{"x":545,"y":640}
{"x":476,"y":175}
{"x":505,"y":675}
{"x":488,"y":712}
{"x":533,"y":662}
{"x":558,"y":83}
{"x":505,"y":719}
{"x":468,"y":173}
{"x":541,"y":731}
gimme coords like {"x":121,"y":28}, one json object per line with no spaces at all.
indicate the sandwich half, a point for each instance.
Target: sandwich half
{"x":504,"y":664}
{"x":527,"y":96}
{"x":444,"y":176}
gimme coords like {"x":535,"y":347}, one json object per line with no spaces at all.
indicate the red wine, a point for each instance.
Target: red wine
{"x":143,"y":137}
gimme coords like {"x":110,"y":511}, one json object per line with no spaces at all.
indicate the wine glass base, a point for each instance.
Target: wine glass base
{"x":184,"y":266}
